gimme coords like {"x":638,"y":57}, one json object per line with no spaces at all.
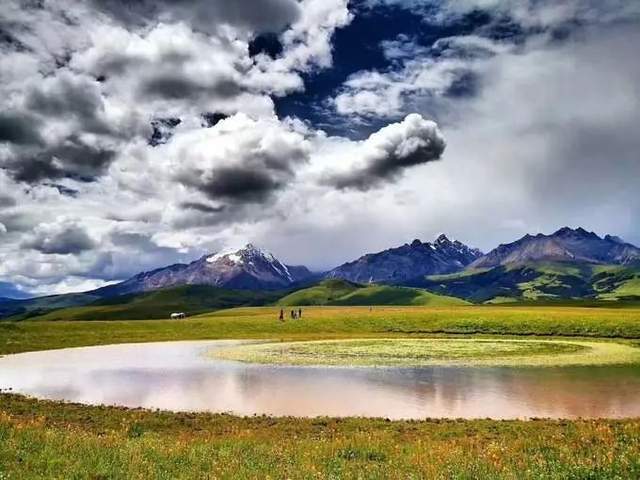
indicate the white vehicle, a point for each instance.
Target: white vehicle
{"x":178,"y":315}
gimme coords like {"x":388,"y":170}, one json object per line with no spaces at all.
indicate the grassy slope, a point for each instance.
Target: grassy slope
{"x":540,"y":281}
{"x":191,"y":299}
{"x":52,"y":440}
{"x":341,"y":292}
{"x":329,"y":322}
{"x":321,"y":294}
{"x":388,"y":295}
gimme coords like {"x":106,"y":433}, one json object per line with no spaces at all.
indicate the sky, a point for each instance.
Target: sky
{"x":135,"y":135}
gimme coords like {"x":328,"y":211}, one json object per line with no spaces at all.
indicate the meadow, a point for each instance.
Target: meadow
{"x":329,"y":322}
{"x":43,"y":439}
{"x":402,"y":352}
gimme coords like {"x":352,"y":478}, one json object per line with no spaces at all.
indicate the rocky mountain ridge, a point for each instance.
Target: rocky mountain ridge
{"x":397,"y":265}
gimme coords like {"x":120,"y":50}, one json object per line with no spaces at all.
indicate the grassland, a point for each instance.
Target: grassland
{"x":430,"y":351}
{"x":43,"y":439}
{"x":329,"y":322}
{"x":341,"y":292}
{"x":51,"y":440}
{"x":191,"y":299}
{"x":540,"y":281}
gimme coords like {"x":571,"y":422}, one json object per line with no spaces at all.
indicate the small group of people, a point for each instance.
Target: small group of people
{"x":294,"y":314}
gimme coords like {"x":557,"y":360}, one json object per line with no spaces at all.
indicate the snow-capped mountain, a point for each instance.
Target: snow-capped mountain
{"x":397,"y":265}
{"x":247,"y":268}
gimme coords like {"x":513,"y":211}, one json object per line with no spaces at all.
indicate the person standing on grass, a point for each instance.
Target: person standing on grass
{"x":281,"y":315}
{"x":299,"y":313}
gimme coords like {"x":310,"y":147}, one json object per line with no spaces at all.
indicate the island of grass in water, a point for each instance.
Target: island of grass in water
{"x":433,"y":352}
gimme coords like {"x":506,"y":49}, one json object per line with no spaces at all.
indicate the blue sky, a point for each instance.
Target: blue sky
{"x":135,"y":135}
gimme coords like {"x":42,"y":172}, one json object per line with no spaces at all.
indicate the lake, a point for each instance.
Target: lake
{"x":179,"y":376}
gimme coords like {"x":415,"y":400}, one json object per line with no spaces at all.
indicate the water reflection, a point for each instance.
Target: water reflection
{"x":177,"y":376}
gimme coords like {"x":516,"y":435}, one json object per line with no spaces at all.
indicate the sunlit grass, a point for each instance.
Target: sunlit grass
{"x":330,"y":322}
{"x":441,"y":351}
{"x":43,"y":439}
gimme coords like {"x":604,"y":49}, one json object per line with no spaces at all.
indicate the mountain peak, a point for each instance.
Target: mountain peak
{"x":574,"y":232}
{"x":245,"y":268}
{"x":400,"y":264}
{"x":442,"y":239}
{"x":239,"y":255}
{"x":565,"y":245}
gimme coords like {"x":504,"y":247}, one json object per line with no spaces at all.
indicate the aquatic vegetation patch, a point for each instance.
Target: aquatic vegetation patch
{"x":432,"y":352}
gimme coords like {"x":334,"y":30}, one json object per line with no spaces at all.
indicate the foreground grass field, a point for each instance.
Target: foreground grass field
{"x":41,"y":439}
{"x":51,"y":440}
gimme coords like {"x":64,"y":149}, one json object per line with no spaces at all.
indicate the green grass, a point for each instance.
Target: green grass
{"x":321,"y":294}
{"x":540,"y":281}
{"x":429,"y":351}
{"x":159,"y":304}
{"x":329,"y":322}
{"x":41,"y":439}
{"x":617,"y":284}
{"x":341,"y":292}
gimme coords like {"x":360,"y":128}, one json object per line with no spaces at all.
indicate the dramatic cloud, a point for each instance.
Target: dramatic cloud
{"x":18,"y":129}
{"x":238,"y":160}
{"x":386,"y":153}
{"x":139,"y":134}
{"x":59,"y":238}
{"x":423,"y":76}
{"x":207,"y":15}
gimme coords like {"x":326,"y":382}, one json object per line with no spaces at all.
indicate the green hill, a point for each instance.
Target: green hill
{"x":540,"y":282}
{"x":342,"y":292}
{"x":190,"y":299}
{"x":323,"y":293}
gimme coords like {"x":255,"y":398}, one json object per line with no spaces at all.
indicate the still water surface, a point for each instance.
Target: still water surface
{"x":178,"y":376}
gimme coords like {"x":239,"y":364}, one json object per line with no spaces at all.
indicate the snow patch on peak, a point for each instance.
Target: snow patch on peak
{"x":240,"y":255}
{"x":225,"y":252}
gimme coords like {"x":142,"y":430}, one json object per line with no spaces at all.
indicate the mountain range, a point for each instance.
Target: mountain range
{"x":567,"y":264}
{"x":565,"y":245}
{"x":398,"y":265}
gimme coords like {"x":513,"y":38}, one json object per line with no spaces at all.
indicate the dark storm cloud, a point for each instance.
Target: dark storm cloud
{"x":239,"y":184}
{"x":6,"y":201}
{"x":391,"y":150}
{"x":19,"y":128}
{"x":206,"y":15}
{"x":178,"y":87}
{"x":202,"y":207}
{"x":71,"y":158}
{"x":8,"y":40}
{"x":66,"y":96}
{"x":70,"y":239}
